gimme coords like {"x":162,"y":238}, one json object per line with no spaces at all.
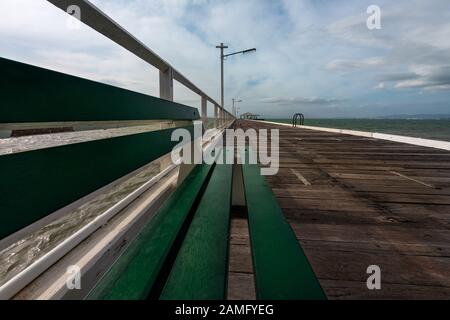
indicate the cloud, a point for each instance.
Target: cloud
{"x":317,"y":49}
{"x":400,"y":76}
{"x":379,"y":86}
{"x":355,"y":64}
{"x":424,"y":77}
{"x":299,"y":100}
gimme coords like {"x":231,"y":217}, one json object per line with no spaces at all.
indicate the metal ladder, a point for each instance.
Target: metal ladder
{"x":300,"y":117}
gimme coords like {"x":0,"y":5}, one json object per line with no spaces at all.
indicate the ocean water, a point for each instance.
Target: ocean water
{"x":427,"y":129}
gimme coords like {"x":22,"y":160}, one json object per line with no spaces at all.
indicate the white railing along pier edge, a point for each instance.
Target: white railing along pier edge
{"x":444,"y":145}
{"x":99,"y":21}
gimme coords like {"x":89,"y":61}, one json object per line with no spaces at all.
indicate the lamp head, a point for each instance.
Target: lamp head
{"x":249,"y":50}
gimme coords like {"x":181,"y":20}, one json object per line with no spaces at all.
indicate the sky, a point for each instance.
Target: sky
{"x":316,"y":57}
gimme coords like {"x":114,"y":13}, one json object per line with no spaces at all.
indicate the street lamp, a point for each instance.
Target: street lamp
{"x":233,"y":110}
{"x":222,"y":58}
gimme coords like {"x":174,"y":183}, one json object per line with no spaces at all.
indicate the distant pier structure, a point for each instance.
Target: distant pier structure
{"x":250,"y":116}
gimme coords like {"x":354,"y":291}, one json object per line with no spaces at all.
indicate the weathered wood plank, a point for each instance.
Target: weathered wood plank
{"x":241,"y":286}
{"x":241,"y":283}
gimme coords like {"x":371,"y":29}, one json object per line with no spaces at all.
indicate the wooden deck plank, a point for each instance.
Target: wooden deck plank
{"x":241,"y":283}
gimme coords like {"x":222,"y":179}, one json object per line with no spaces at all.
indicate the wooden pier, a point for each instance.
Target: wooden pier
{"x":354,"y":202}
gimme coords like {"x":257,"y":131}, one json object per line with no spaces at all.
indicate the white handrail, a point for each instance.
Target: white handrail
{"x":99,"y":21}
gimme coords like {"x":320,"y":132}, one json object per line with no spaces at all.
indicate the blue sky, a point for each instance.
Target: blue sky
{"x":316,"y":57}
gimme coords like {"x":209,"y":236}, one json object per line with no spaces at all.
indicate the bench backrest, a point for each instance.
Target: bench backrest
{"x":37,"y":182}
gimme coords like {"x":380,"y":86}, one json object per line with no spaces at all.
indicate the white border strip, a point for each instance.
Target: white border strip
{"x":438,"y":144}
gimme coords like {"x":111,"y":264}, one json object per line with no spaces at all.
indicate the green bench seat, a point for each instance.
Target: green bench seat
{"x":197,"y":217}
{"x":282,"y":271}
{"x":200,"y":270}
{"x":136,"y":272}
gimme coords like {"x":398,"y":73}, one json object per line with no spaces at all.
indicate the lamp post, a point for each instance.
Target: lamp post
{"x":237,"y":111}
{"x":233,"y":110}
{"x":222,"y":58}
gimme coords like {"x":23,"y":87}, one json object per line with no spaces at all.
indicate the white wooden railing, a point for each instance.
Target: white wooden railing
{"x":99,"y":21}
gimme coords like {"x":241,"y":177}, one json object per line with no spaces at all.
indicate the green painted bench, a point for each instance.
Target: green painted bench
{"x":38,"y":182}
{"x":136,"y":273}
{"x":282,"y":271}
{"x":183,"y":253}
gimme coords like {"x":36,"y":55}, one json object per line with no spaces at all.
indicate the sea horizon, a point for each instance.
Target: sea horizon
{"x":435,"y":129}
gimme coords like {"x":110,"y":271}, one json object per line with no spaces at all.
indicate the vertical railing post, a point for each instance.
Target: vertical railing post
{"x":216,"y":116}
{"x":166,"y":84}
{"x":204,"y":108}
{"x":165,"y":92}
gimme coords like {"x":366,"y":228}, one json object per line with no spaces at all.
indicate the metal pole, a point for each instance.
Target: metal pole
{"x":221,"y":76}
{"x":222,"y":58}
{"x":232,"y":109}
{"x":221,"y":47}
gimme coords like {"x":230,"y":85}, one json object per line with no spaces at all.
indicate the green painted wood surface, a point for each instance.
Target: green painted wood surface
{"x":135,"y":272}
{"x":201,"y":266}
{"x":282,"y":271}
{"x":35,"y":183}
{"x":33,"y":94}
